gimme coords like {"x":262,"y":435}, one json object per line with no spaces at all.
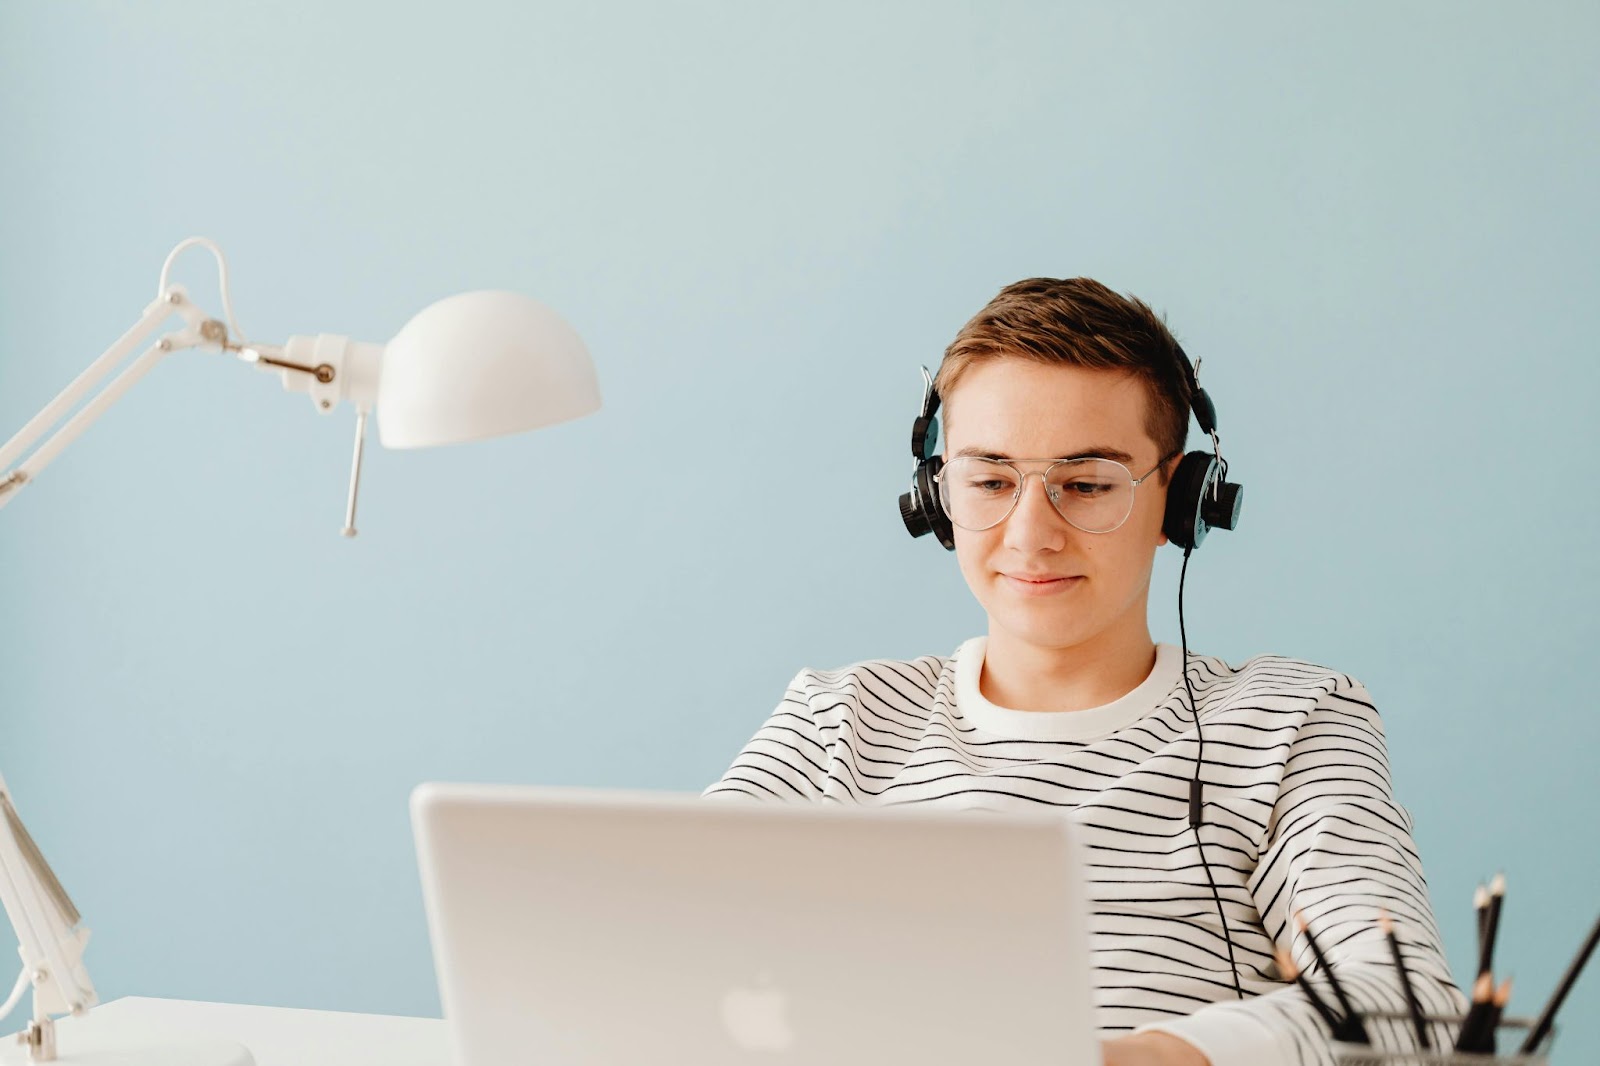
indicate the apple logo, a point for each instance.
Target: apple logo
{"x":757,"y":1018}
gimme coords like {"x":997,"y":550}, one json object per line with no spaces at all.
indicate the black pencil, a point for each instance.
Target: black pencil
{"x":1412,"y":1005}
{"x":1541,"y":1028}
{"x":1488,"y":1044}
{"x":1480,"y":907}
{"x":1291,"y":972}
{"x":1482,"y":1040}
{"x":1491,"y":924}
{"x":1482,"y":1003}
{"x":1351,"y":1029}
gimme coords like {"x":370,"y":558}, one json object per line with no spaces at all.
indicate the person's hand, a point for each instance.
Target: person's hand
{"x":1151,"y":1049}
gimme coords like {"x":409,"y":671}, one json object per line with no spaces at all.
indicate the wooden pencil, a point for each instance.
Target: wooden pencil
{"x":1387,"y":925}
{"x":1491,"y":924}
{"x":1291,"y":972}
{"x":1486,"y":1041}
{"x":1482,"y":1003}
{"x":1541,"y":1027}
{"x":1351,"y":1028}
{"x":1480,"y":908}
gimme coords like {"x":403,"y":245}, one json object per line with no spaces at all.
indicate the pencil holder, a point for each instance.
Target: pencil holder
{"x":1442,"y":1030}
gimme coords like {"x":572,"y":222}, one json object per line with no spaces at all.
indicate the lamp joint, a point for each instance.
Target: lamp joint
{"x":323,"y":372}
{"x":40,"y":1040}
{"x":214,"y":332}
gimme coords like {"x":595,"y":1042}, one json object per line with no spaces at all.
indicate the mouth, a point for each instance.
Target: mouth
{"x":1042,"y":584}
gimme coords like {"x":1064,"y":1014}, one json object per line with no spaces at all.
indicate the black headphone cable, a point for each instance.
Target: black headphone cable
{"x":1196,"y":803}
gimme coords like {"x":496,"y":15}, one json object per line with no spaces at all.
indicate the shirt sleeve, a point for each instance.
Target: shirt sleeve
{"x":785,"y":760}
{"x":1338,"y":849}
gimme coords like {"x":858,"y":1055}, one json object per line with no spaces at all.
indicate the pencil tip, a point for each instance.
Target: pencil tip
{"x":1483,"y":988}
{"x":1503,"y":995}
{"x":1384,"y":921}
{"x":1480,"y":898}
{"x":1497,"y":887}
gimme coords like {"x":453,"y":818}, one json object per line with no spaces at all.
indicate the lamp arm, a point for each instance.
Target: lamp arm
{"x":50,"y":935}
{"x":330,"y":368}
{"x":199,"y":331}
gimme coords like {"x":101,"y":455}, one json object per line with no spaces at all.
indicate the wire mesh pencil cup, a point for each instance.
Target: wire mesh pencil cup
{"x":1442,"y":1030}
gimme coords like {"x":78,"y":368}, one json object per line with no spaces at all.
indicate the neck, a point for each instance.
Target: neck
{"x":1025,"y":676}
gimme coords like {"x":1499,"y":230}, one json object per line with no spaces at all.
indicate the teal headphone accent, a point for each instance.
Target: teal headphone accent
{"x":1199,"y":496}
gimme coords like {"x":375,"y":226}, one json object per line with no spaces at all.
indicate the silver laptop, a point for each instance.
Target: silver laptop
{"x":573,"y":927}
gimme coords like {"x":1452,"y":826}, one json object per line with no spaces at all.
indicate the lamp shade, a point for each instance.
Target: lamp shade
{"x":482,"y":364}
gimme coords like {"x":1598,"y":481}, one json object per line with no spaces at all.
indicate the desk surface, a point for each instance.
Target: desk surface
{"x":276,"y":1036}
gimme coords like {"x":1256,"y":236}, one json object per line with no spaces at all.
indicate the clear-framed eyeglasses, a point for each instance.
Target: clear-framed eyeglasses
{"x":1094,"y":495}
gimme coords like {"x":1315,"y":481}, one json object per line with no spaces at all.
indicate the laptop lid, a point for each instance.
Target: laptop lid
{"x":605,"y":928}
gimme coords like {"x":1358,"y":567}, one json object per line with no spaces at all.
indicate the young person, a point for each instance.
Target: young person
{"x":1068,"y":702}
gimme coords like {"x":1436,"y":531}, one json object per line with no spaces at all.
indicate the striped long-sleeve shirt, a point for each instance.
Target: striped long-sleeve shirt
{"x":1299,"y":815}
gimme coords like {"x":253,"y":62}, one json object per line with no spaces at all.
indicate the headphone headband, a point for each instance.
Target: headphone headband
{"x":1205,"y":412}
{"x":925,"y":430}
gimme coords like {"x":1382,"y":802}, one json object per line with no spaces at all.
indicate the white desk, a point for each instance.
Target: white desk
{"x":276,"y":1036}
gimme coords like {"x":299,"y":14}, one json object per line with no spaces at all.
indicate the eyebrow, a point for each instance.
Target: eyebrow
{"x":1097,"y":452}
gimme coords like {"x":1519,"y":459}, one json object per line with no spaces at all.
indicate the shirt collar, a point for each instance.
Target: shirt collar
{"x":1087,"y":724}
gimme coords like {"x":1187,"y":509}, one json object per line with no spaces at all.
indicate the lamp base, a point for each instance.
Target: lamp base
{"x":84,"y":1049}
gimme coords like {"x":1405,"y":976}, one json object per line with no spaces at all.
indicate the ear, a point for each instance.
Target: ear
{"x":1162,"y":540}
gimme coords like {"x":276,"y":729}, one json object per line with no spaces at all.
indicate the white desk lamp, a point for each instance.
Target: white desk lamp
{"x":481,"y":364}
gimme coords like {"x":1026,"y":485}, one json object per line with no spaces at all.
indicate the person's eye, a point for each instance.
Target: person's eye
{"x":1088,"y":489}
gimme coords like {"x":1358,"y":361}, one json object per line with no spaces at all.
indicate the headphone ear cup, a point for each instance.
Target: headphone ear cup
{"x":921,"y":509}
{"x":1185,"y":493}
{"x":932,"y":506}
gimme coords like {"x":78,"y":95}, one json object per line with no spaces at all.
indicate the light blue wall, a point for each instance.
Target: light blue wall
{"x":1375,"y":222}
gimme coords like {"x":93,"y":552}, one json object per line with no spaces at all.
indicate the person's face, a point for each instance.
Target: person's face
{"x":1017,"y":409}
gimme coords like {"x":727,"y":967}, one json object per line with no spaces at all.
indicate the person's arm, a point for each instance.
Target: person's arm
{"x":785,"y":760}
{"x":1151,"y":1048}
{"x":1339,"y":849}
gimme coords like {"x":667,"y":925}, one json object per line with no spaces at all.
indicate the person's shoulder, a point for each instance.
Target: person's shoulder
{"x":1280,"y":682}
{"x":898,"y":681}
{"x":1282,"y":670}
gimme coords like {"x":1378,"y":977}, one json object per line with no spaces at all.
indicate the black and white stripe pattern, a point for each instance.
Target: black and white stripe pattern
{"x":1299,"y":815}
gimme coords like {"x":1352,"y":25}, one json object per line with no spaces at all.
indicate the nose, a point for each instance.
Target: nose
{"x":1034,"y":523}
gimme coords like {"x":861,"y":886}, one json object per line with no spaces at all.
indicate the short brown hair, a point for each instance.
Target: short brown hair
{"x":1079,"y":322}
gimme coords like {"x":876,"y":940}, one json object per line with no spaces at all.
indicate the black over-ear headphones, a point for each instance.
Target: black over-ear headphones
{"x":1199,"y":497}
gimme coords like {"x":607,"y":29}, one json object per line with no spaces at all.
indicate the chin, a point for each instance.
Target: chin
{"x":1046,"y":629}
